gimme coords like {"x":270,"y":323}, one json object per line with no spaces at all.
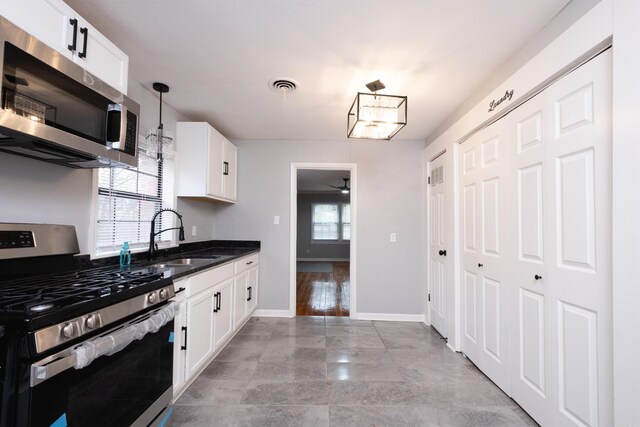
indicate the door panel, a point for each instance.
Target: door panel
{"x":483,"y":222}
{"x":580,"y":260}
{"x":437,"y":262}
{"x":491,"y":217}
{"x":575,"y":192}
{"x":531,"y":334}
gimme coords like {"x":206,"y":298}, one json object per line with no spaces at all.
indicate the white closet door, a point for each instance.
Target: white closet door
{"x":580,"y":236}
{"x":528,"y":228}
{"x":485,"y":287}
{"x":438,"y":255}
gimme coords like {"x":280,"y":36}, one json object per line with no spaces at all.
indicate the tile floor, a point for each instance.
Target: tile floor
{"x":334,"y":371}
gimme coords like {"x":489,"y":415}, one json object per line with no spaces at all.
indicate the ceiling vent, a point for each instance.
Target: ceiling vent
{"x":283,"y":84}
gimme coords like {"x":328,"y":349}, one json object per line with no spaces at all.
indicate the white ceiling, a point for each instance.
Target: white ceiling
{"x":318,"y":181}
{"x":218,"y":56}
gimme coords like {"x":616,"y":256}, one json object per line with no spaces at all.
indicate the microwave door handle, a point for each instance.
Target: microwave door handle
{"x":41,"y":373}
{"x":123,"y":127}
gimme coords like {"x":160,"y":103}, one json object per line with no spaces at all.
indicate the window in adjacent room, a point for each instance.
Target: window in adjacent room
{"x":128,"y":198}
{"x":330,"y":222}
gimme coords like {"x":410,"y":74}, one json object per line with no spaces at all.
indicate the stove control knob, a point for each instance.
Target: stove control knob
{"x":152,"y":298}
{"x":91,"y":322}
{"x":164,"y":294}
{"x":68,"y":330}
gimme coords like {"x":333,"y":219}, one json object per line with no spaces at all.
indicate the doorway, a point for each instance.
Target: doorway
{"x":322,"y":240}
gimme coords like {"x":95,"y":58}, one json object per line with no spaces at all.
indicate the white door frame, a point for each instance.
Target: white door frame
{"x":352,"y":168}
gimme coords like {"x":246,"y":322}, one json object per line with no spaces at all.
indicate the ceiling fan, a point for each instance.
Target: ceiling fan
{"x":343,"y":188}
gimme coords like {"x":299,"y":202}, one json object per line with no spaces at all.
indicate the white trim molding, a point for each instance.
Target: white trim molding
{"x":293,"y":236}
{"x":390,"y":317}
{"x":271,"y":313}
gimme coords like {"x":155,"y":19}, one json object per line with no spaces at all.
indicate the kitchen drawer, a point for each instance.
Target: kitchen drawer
{"x":207,"y":279}
{"x":246,"y":263}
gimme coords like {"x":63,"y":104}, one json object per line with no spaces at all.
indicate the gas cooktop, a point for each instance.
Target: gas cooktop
{"x":60,"y":295}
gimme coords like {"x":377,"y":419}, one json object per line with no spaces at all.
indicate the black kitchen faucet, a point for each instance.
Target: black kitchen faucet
{"x":152,"y":236}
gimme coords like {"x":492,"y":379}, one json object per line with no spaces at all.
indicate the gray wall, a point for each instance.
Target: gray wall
{"x":35,"y":191}
{"x":324,"y":250}
{"x":390,"y":276}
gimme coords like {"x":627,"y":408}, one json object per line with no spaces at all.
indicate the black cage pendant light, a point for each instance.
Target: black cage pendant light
{"x":376,"y":116}
{"x":159,"y":138}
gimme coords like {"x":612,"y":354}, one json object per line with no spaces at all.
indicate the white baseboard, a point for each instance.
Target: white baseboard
{"x":323,"y":260}
{"x":389,"y":317}
{"x":271,"y":313}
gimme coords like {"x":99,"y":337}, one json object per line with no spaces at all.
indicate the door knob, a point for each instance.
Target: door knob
{"x":442,"y":252}
{"x":480,"y":265}
{"x":537,"y":277}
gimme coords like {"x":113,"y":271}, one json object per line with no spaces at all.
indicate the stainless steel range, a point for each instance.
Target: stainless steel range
{"x":80,"y":348}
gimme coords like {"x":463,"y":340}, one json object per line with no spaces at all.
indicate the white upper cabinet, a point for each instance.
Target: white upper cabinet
{"x":60,"y":27}
{"x":207,"y":163}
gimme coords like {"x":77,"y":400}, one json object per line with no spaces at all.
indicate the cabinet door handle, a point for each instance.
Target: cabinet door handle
{"x":250,"y":296}
{"x":179,"y":290}
{"x":250,"y":262}
{"x":85,"y":32}
{"x":225,"y":168}
{"x":480,"y":265}
{"x":184,"y":347}
{"x":219,"y":301}
{"x":74,"y":41}
{"x":442,"y":252}
{"x":537,"y":277}
{"x":215,"y":303}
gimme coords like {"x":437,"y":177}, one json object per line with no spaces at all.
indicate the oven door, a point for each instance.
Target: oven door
{"x":132,"y":386}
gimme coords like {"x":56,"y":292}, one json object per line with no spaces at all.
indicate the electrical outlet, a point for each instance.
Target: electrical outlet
{"x":392,"y":237}
{"x":194,"y":230}
{"x":276,"y":220}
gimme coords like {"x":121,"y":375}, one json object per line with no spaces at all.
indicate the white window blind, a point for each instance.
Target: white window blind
{"x":330,"y":221}
{"x":128,"y":198}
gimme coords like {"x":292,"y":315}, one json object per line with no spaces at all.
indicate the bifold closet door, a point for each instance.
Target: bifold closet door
{"x":528,"y":205}
{"x":579,"y":152}
{"x":485,"y":290}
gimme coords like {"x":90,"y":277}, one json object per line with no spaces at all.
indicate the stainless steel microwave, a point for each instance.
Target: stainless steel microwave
{"x":53,"y":110}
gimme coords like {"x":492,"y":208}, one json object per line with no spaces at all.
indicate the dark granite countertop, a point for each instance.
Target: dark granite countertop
{"x":206,"y":255}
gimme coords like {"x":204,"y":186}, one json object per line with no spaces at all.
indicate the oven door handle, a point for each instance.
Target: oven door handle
{"x":108,"y":344}
{"x":42,"y":372}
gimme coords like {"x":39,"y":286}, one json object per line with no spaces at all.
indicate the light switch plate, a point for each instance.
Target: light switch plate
{"x":276,"y":220}
{"x":392,"y":237}
{"x":193,"y":230}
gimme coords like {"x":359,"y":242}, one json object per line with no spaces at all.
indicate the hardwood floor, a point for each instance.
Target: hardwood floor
{"x":324,"y":294}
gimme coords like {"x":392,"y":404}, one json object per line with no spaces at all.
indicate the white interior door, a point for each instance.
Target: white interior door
{"x":485,"y":288}
{"x":438,"y":255}
{"x":528,"y":204}
{"x":580,"y":235}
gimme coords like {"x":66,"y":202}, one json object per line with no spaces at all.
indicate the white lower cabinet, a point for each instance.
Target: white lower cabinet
{"x":223,"y":314}
{"x":213,"y":305}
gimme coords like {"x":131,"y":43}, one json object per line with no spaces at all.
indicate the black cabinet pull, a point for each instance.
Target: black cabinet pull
{"x":537,"y":277}
{"x":218,"y":296}
{"x":179,"y":290}
{"x":74,"y":41}
{"x":250,"y":262}
{"x":226,"y":168}
{"x":442,"y":252}
{"x":215,"y":304}
{"x":480,"y":265}
{"x":249,"y":289}
{"x":85,"y":32}
{"x":184,"y":347}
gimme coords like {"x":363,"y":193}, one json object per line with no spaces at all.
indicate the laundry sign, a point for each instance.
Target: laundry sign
{"x":506,"y":97}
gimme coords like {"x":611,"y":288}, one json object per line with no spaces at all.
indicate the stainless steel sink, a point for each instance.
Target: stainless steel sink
{"x":185,"y":262}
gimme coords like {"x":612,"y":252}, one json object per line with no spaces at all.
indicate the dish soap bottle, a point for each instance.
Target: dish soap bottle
{"x":125,"y":257}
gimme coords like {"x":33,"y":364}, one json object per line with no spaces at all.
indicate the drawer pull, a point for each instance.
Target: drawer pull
{"x":250,"y":262}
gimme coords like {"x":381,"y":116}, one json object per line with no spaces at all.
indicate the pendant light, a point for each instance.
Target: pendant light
{"x":376,"y":116}
{"x":158,"y":139}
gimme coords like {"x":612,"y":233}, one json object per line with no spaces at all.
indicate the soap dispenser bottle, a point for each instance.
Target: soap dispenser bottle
{"x":125,"y":257}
